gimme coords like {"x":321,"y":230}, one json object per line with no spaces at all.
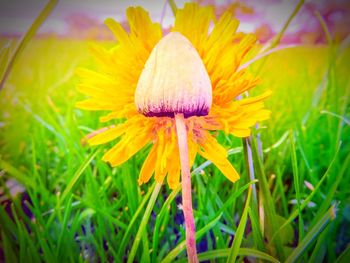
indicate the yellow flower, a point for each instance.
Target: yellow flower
{"x":112,"y":88}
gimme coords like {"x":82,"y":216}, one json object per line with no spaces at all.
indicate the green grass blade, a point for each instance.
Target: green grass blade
{"x":345,"y":256}
{"x":4,"y":57}
{"x":64,"y":224}
{"x":324,"y":27}
{"x":334,"y":186}
{"x":144,"y":222}
{"x":18,"y":175}
{"x":128,"y":232}
{"x":256,"y":254}
{"x":311,"y":235}
{"x":345,"y":120}
{"x":7,"y":225}
{"x":173,"y":6}
{"x":268,"y":203}
{"x":27,"y":37}
{"x":159,"y":220}
{"x":319,"y":251}
{"x":10,"y":255}
{"x":308,"y":199}
{"x":237,"y":241}
{"x":78,"y":174}
{"x":276,"y":40}
{"x":129,"y":179}
{"x":145,"y":252}
{"x":296,"y":183}
{"x":256,"y":231}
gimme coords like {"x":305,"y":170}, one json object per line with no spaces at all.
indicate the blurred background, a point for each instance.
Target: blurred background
{"x":84,"y":19}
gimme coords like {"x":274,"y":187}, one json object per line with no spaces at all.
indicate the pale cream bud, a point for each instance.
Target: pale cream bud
{"x":174,"y":80}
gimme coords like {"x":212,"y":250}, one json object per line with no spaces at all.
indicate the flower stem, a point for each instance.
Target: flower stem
{"x":186,"y":188}
{"x":250,"y":164}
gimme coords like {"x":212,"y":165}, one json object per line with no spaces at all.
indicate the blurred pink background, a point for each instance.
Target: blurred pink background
{"x":84,"y":19}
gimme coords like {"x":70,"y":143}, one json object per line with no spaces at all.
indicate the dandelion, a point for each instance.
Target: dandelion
{"x":171,"y":92}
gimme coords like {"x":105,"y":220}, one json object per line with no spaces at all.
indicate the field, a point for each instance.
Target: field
{"x":62,"y":203}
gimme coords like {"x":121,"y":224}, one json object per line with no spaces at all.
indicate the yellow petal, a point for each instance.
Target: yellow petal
{"x":103,"y":57}
{"x":223,"y":30}
{"x":255,"y":99}
{"x":92,"y":104}
{"x":143,"y":28}
{"x":127,"y":111}
{"x":173,"y":166}
{"x":213,"y":151}
{"x":241,"y":133}
{"x":96,"y":92}
{"x":133,"y":141}
{"x":118,"y":31}
{"x":173,"y":178}
{"x":148,"y":166}
{"x":193,"y":22}
{"x":107,"y":135}
{"x":92,"y":77}
{"x":262,"y":115}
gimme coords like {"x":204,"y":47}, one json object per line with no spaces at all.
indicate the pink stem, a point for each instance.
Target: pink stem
{"x":186,"y":188}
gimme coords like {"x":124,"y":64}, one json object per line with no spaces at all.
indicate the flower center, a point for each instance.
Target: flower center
{"x":174,"y":80}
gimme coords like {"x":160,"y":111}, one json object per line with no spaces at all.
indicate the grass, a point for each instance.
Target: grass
{"x":73,"y":207}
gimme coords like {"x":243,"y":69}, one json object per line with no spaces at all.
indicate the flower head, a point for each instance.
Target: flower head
{"x":132,"y":86}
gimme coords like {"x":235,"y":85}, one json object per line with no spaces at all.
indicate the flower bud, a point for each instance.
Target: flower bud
{"x":174,"y":80}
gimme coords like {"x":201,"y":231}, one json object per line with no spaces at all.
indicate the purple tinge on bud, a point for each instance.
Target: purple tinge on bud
{"x":174,"y":80}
